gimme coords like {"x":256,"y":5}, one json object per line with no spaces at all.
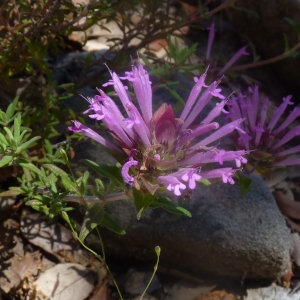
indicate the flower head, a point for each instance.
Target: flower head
{"x":159,"y":149}
{"x":267,"y":137}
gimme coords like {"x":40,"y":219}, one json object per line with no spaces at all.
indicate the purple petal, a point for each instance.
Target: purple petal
{"x":233,"y":59}
{"x":279,"y":111}
{"x":172,"y":183}
{"x":78,"y":127}
{"x":291,"y":134}
{"x":226,"y":129}
{"x":211,"y":37}
{"x":193,"y":96}
{"x":125,"y":170}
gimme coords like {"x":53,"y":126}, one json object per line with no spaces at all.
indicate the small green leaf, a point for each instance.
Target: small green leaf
{"x":3,"y":140}
{"x":111,"y":224}
{"x":141,"y":202}
{"x":17,"y":128}
{"x":27,"y":145}
{"x":9,"y":133}
{"x":245,"y":184}
{"x":66,"y":181}
{"x":111,"y":172}
{"x":11,"y":193}
{"x":169,"y":206}
{"x":205,"y":181}
{"x":24,"y":163}
{"x":7,"y":159}
{"x":11,"y":108}
{"x":34,"y":202}
{"x":65,"y":85}
{"x":3,"y":117}
{"x":93,"y":217}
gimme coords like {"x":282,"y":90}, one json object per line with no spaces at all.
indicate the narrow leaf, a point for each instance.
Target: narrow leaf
{"x":141,"y":202}
{"x":27,"y":145}
{"x":111,"y":224}
{"x":29,"y":166}
{"x":93,"y":218}
{"x":7,"y":159}
{"x":169,"y":206}
{"x":111,"y":172}
{"x":66,"y":181}
{"x":11,"y":108}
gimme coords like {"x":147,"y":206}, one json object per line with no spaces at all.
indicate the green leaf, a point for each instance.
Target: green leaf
{"x":11,"y":108}
{"x":245,"y":184}
{"x":3,"y":117}
{"x":191,"y":67}
{"x":11,"y":192}
{"x":295,"y":24}
{"x":9,"y":133}
{"x":93,"y":217}
{"x":3,"y":140}
{"x":27,"y":145}
{"x":65,"y":85}
{"x":205,"y":181}
{"x":180,"y":102}
{"x":24,"y":163}
{"x":7,"y":159}
{"x":111,"y":224}
{"x":169,"y":206}
{"x":111,"y":172}
{"x":141,"y":202}
{"x":66,"y":181}
{"x":34,"y":202}
{"x":17,"y":128}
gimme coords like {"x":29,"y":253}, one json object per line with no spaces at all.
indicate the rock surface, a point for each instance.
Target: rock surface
{"x":228,"y":235}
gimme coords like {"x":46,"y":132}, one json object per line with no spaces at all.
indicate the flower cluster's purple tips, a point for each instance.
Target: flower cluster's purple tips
{"x":215,"y":112}
{"x":210,"y":92}
{"x":224,"y":173}
{"x":233,"y":59}
{"x":244,"y":140}
{"x":237,"y":156}
{"x":136,"y":119}
{"x":292,"y":116}
{"x":279,"y":112}
{"x":189,"y":134}
{"x":288,"y":162}
{"x":142,"y":89}
{"x":287,"y":137}
{"x":221,"y":132}
{"x":120,"y":90}
{"x":211,"y":37}
{"x":125,"y":170}
{"x":290,"y":151}
{"x":196,"y":160}
{"x":219,"y":157}
{"x":253,"y":104}
{"x":172,"y":184}
{"x":191,"y":176}
{"x":195,"y":92}
{"x":78,"y":127}
{"x":259,"y":130}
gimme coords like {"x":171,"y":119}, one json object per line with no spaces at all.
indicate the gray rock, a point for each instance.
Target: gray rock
{"x":228,"y":235}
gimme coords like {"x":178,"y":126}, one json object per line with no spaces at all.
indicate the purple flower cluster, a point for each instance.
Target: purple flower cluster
{"x":265,"y":136}
{"x":159,"y":149}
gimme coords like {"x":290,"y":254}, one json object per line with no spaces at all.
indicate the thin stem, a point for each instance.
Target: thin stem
{"x":102,"y":259}
{"x":267,"y":61}
{"x":93,"y":199}
{"x":157,"y":251}
{"x":101,"y":243}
